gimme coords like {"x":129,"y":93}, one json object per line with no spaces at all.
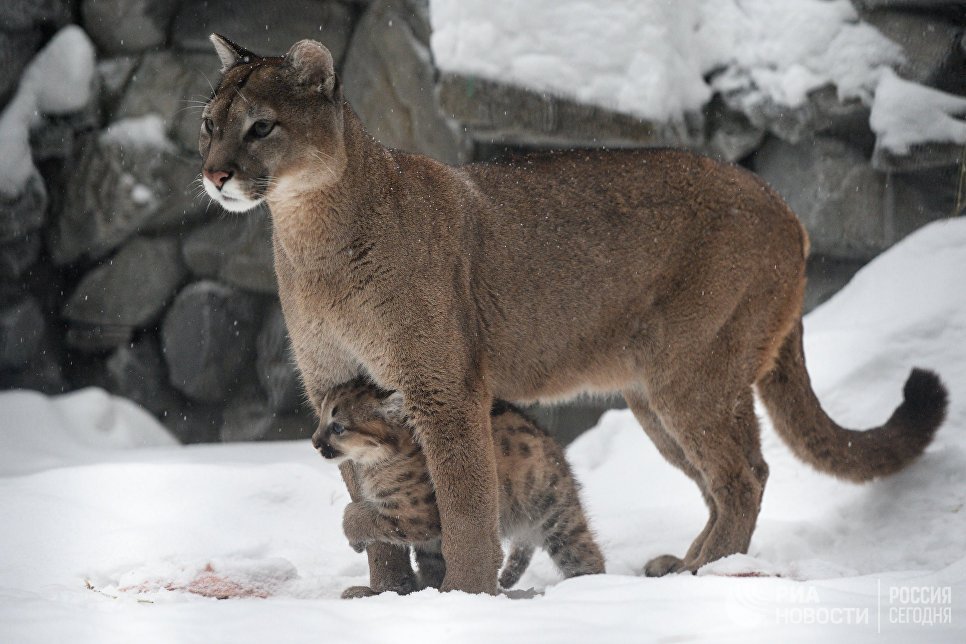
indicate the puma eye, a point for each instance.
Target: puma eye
{"x":208,"y":126}
{"x":260,"y":129}
{"x":337,"y":429}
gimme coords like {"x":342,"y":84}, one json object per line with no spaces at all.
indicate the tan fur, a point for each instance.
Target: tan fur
{"x":396,"y":502}
{"x":668,"y":276}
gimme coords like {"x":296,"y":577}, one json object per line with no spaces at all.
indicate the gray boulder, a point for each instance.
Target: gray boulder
{"x":127,"y":26}
{"x":566,"y":421}
{"x":266,"y":28}
{"x":175,"y":86}
{"x":131,"y":288}
{"x":927,"y":41}
{"x":21,"y":15}
{"x":391,"y":82}
{"x":275,"y":364}
{"x":16,"y":50}
{"x":822,"y":112}
{"x":825,"y":276}
{"x":849,"y":209}
{"x":194,"y":422}
{"x":97,"y":338}
{"x":42,"y":373}
{"x":127,"y":180}
{"x":136,"y":371}
{"x":910,"y":4}
{"x":55,"y":136}
{"x":236,"y":249}
{"x":18,"y":255}
{"x":919,"y":157}
{"x":113,"y":75}
{"x":208,"y":337}
{"x":493,"y":113}
{"x":25,"y":212}
{"x":21,"y":330}
{"x":52,"y":140}
{"x":249,"y":418}
{"x":732,"y":135}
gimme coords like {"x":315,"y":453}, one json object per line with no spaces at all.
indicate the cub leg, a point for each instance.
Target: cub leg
{"x":672,"y":452}
{"x":389,"y":567}
{"x":566,"y":537}
{"x":432,"y":566}
{"x":572,"y":547}
{"x":516,"y":564}
{"x":365,"y":522}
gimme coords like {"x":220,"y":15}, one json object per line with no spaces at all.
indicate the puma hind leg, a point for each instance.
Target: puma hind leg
{"x":672,"y":453}
{"x":723,"y":446}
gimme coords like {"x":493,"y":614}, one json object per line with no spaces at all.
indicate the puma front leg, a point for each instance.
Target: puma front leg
{"x":453,"y":426}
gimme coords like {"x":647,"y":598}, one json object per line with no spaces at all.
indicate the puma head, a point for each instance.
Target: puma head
{"x":273,"y":125}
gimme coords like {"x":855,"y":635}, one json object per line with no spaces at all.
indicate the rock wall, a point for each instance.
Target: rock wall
{"x":117,"y":272}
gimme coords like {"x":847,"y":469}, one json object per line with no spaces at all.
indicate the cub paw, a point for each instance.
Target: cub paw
{"x":663,"y":565}
{"x":357,"y":592}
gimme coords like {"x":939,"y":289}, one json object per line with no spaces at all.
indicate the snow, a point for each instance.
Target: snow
{"x":140,"y":132}
{"x":59,"y":80}
{"x":113,"y":533}
{"x":84,"y":426}
{"x":905,"y":114}
{"x":659,"y":59}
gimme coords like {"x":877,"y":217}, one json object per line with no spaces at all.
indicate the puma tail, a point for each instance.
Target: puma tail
{"x":853,"y":455}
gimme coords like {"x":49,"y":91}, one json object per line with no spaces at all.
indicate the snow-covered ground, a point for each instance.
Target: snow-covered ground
{"x":110,"y":530}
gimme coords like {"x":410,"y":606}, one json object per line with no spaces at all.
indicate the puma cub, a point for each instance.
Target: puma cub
{"x":666,"y":276}
{"x":539,"y":504}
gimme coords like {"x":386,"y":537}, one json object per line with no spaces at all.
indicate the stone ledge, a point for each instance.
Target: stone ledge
{"x":919,"y":157}
{"x":493,"y":112}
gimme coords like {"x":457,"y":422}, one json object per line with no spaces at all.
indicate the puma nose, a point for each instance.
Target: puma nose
{"x":218,"y":177}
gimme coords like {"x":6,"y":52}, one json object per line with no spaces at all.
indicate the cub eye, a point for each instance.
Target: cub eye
{"x":337,"y":429}
{"x":260,"y":129}
{"x":335,"y":410}
{"x":208,"y":126}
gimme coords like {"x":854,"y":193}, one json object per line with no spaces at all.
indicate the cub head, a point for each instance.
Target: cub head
{"x":273,"y":125}
{"x":362,"y":423}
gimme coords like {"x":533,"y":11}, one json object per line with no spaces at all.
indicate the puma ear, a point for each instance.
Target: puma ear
{"x":314,"y":65}
{"x":229,"y":53}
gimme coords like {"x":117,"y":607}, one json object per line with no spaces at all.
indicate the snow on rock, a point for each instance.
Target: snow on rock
{"x":138,"y":133}
{"x":136,"y":543}
{"x":38,"y":432}
{"x":905,"y":114}
{"x":652,"y":58}
{"x":59,"y":80}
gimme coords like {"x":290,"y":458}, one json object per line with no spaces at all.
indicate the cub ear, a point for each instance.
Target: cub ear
{"x":392,"y":407}
{"x":314,"y":65}
{"x":229,"y":53}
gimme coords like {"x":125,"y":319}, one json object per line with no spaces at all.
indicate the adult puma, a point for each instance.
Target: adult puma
{"x":664,"y":275}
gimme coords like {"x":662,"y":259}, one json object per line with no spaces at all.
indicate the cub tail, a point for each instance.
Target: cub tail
{"x":857,"y":456}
